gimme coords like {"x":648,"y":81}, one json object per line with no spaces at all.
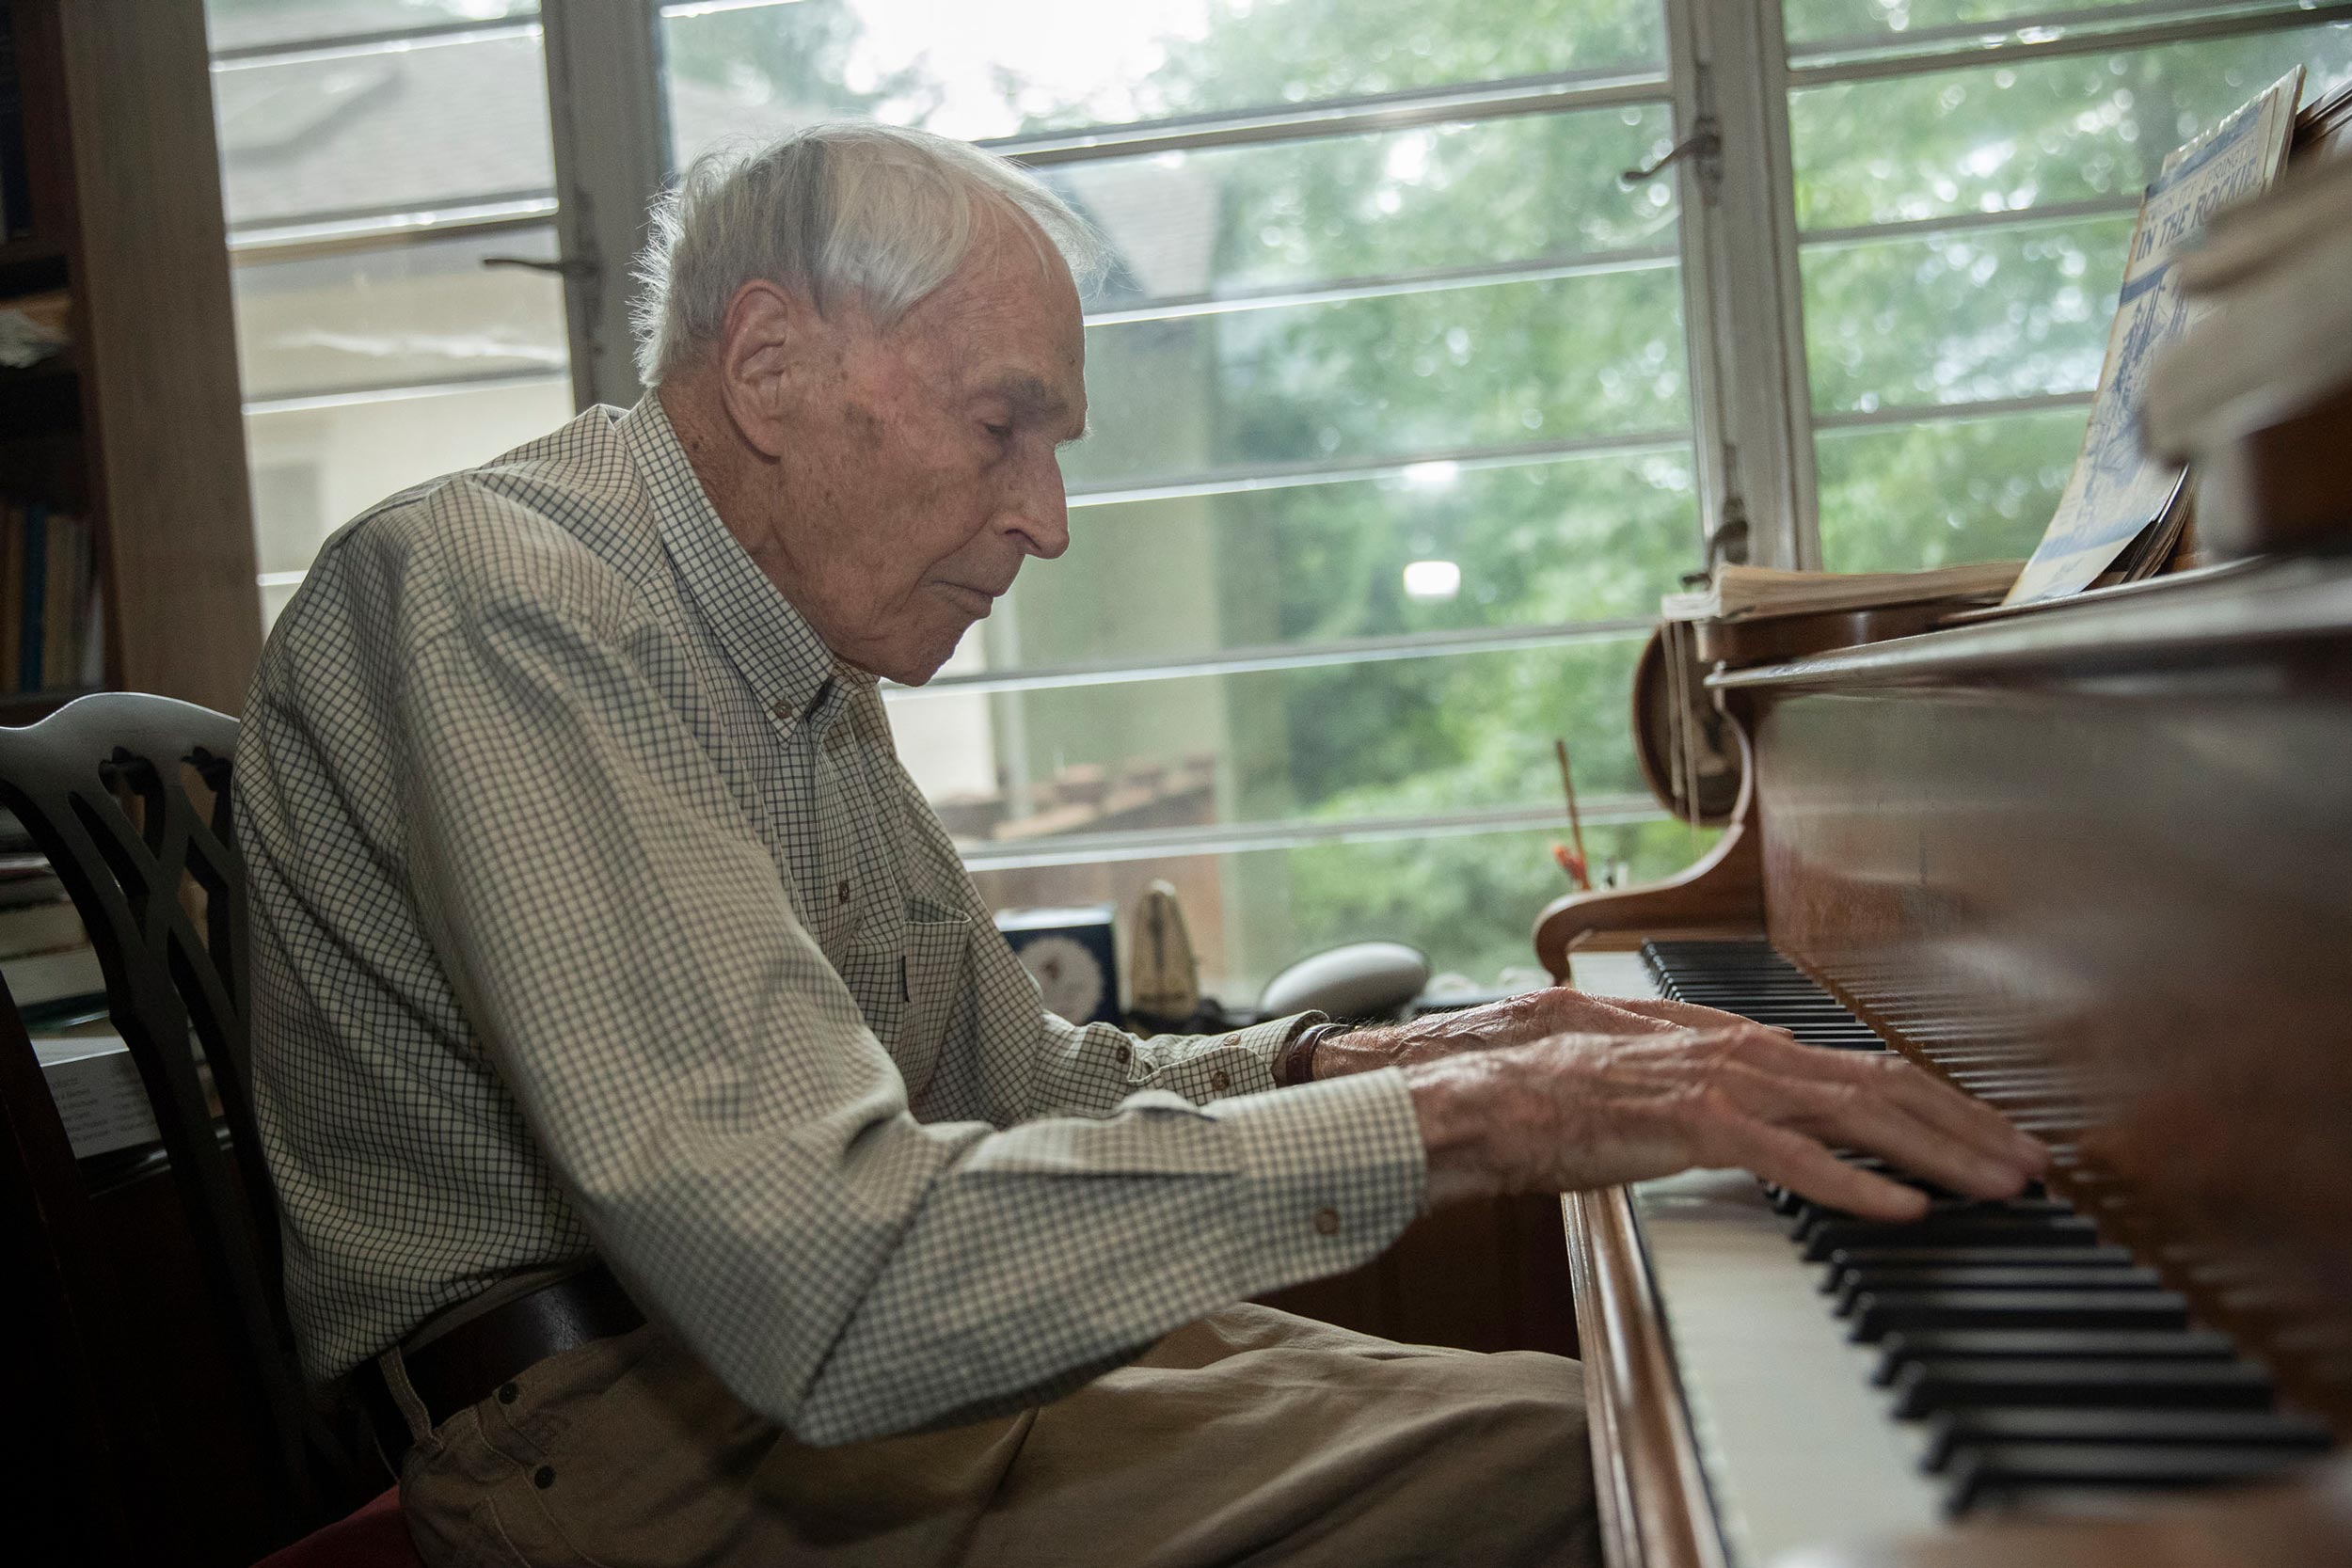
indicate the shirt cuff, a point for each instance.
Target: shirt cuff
{"x":1333,"y":1171}
{"x":1223,"y":1067}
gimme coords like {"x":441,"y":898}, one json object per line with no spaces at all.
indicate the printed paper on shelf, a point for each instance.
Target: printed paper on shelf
{"x":2118,"y":490}
{"x":100,"y":1098}
{"x":1736,"y":593}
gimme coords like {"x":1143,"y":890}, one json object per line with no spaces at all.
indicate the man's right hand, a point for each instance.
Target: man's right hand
{"x":1576,"y":1112}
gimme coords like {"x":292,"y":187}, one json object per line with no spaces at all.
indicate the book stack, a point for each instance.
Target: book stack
{"x":1753,"y":593}
{"x":45,"y":955}
{"x":60,"y":992}
{"x":49,"y":614}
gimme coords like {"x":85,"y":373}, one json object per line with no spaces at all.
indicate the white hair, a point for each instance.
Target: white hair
{"x":885,"y":214}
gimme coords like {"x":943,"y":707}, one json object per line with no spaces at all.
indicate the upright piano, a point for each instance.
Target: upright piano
{"x":2093,"y":864}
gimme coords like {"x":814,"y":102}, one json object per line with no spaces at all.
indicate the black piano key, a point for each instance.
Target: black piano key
{"x":1811,"y":1217}
{"x":1927,"y":1387}
{"x":2011,"y":1474}
{"x":1944,"y":1194}
{"x":1731,"y":998}
{"x":1972,"y":1277}
{"x":1844,"y":1262}
{"x":1901,"y":1348}
{"x":2064,"y":1124}
{"x":1955,"y":1431}
{"x":1738,"y":998}
{"x":1875,"y":1312}
{"x":1719,"y":953}
{"x":1826,"y":1037}
{"x":1884,"y":1166}
{"x":1988,"y":1230}
{"x":2019,"y":1084}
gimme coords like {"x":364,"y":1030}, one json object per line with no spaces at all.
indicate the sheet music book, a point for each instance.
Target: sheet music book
{"x":1745,"y":593}
{"x":2118,"y":491}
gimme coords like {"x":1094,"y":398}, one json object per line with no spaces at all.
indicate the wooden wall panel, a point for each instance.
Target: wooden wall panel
{"x":151,"y":271}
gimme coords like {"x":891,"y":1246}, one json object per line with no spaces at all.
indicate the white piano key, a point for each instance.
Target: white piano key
{"x":1798,"y":1447}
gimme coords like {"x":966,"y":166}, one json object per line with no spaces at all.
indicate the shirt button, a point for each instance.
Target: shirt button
{"x":1220,"y":1080}
{"x":1126,"y":1054}
{"x":841,"y":893}
{"x":1326,"y":1222}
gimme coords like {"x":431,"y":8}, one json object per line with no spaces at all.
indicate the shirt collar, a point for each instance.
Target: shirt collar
{"x":795,"y":676}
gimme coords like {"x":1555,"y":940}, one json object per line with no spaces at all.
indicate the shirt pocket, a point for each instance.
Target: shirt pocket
{"x":915,"y":988}
{"x":937,"y":998}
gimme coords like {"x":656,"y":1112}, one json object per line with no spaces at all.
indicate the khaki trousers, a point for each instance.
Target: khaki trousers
{"x":1251,"y":1436}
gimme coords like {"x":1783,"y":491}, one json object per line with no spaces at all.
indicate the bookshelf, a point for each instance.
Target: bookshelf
{"x":134,"y":431}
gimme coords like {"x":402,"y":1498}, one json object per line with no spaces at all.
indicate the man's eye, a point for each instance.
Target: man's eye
{"x":997,"y":432}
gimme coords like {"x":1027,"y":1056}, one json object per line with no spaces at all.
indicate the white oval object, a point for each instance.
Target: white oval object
{"x":1364,"y":979}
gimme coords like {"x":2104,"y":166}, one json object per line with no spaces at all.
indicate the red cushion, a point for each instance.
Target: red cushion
{"x":375,"y":1536}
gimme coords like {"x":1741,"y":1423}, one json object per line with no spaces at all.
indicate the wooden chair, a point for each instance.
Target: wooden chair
{"x":127,"y":795}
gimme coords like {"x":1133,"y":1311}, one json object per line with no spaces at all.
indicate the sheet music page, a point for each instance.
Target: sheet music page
{"x":2117,"y":490}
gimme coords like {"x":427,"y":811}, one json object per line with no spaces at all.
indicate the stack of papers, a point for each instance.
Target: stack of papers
{"x":1742,"y":592}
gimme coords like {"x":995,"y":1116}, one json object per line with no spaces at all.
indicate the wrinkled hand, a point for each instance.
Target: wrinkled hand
{"x":1514,"y":1020}
{"x":1579,"y":1111}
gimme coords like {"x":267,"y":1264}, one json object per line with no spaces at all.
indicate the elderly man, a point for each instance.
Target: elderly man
{"x":670,"y":1151}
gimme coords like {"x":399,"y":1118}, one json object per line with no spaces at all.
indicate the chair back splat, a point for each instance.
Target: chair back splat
{"x":128,"y":797}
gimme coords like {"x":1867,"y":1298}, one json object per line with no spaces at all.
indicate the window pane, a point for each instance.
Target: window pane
{"x":1995,"y":138}
{"x":1468,"y":900}
{"x":316,"y":469}
{"x":404,"y":315}
{"x":1418,"y":735}
{"x":1821,"y":21}
{"x":1904,"y":497}
{"x":254,"y":24}
{"x":1485,"y":193}
{"x":1963,"y":316}
{"x":1584,"y":539}
{"x":1399,"y":375}
{"x":1002,"y":70}
{"x":438,"y":123}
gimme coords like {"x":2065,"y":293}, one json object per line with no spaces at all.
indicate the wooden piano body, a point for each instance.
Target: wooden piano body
{"x":2116,"y":834}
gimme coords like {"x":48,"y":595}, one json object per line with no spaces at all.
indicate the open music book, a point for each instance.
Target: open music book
{"x":2123,"y":506}
{"x":1744,"y":592}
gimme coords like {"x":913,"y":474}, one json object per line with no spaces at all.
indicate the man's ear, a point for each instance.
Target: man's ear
{"x":766,"y":342}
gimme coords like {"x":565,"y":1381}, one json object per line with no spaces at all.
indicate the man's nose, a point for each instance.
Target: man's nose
{"x":1037,"y":514}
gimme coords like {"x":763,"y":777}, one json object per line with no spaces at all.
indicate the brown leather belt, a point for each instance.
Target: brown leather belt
{"x":481,"y":1356}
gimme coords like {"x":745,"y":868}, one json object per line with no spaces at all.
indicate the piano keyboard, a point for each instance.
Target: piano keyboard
{"x":1848,"y":1378}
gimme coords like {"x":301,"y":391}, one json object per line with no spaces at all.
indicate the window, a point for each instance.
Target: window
{"x":374,"y":154}
{"x":1408,"y":408}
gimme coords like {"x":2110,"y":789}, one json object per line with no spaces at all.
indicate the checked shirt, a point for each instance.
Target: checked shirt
{"x":594,"y":915}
